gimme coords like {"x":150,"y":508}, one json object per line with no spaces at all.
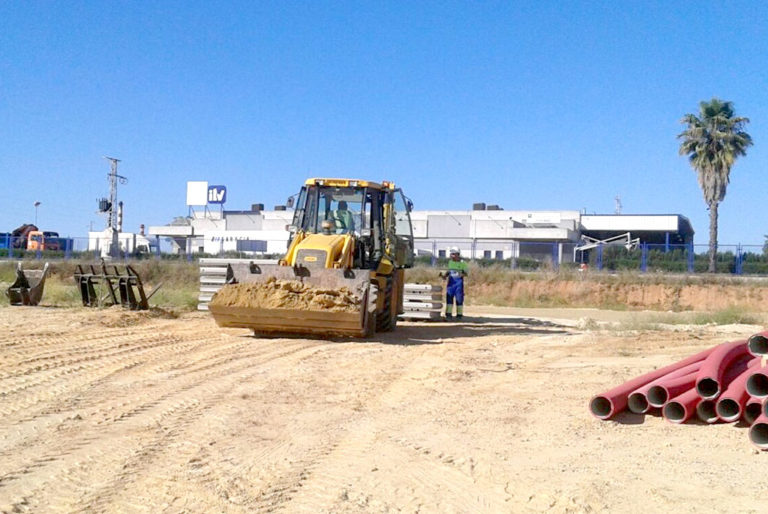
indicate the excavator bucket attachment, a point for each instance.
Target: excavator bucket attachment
{"x":112,"y":285}
{"x":297,"y":321}
{"x":27,"y":289}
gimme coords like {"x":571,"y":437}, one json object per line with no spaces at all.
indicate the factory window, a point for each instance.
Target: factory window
{"x":499,"y":255}
{"x":441,"y":254}
{"x":486,"y":254}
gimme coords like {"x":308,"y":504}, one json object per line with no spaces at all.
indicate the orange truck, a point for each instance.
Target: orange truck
{"x":30,"y":238}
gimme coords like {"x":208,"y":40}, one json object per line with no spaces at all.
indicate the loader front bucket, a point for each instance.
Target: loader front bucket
{"x":296,"y":318}
{"x":28,"y":287}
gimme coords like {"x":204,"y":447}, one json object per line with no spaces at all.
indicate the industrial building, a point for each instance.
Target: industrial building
{"x":482,"y":232}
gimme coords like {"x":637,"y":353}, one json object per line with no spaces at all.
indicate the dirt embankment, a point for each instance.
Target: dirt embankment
{"x":287,"y":294}
{"x":586,"y":293}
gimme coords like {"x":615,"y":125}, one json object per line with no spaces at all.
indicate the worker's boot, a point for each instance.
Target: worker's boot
{"x":459,"y":317}
{"x":448,"y":316}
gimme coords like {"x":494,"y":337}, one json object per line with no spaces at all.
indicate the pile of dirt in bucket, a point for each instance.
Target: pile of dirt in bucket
{"x":286,"y":294}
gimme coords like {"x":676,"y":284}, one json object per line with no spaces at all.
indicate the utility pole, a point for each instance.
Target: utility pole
{"x":618,"y":204}
{"x":114,"y":178}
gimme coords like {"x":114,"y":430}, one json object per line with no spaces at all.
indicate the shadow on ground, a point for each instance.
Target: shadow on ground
{"x":417,"y":333}
{"x":436,"y":332}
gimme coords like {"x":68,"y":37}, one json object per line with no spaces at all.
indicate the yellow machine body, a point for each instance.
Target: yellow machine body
{"x":329,"y":260}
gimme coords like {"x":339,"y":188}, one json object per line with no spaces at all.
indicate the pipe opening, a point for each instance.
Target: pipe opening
{"x":601,"y":407}
{"x":728,"y":409}
{"x":637,"y":403}
{"x":657,"y":396}
{"x":751,"y":412}
{"x":708,"y":388}
{"x":757,"y":385}
{"x":674,"y":412}
{"x":758,"y":345}
{"x":706,"y":411}
{"x":758,"y":434}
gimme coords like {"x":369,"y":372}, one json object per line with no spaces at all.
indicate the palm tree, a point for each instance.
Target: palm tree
{"x":712,"y":141}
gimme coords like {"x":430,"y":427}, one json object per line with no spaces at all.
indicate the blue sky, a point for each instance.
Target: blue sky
{"x":530,"y":105}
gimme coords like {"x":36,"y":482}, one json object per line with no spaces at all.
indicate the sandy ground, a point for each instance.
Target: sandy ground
{"x":107,"y":411}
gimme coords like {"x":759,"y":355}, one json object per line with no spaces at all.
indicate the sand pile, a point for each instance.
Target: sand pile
{"x":286,"y":294}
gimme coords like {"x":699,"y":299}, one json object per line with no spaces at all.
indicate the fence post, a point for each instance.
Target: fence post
{"x":38,"y":254}
{"x":67,"y":248}
{"x":644,"y":257}
{"x":691,"y":257}
{"x":666,"y":242}
{"x":9,"y":245}
{"x":600,"y":257}
{"x":434,"y":253}
{"x":555,"y":257}
{"x":739,"y":260}
{"x":157,"y":246}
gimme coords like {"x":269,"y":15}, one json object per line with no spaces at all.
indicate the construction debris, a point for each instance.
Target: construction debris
{"x":28,"y":287}
{"x":728,"y":383}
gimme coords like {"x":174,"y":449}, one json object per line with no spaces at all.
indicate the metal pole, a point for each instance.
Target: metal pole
{"x":599,"y":257}
{"x":691,"y":258}
{"x":114,"y":251}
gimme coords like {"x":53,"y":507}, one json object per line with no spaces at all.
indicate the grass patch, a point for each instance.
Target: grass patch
{"x":728,"y":316}
{"x":657,"y":321}
{"x":179,"y":291}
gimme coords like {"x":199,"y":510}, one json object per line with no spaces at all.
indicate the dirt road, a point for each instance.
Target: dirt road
{"x":107,"y":411}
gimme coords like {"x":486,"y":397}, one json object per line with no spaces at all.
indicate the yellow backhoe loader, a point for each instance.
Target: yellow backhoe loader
{"x":346,"y":233}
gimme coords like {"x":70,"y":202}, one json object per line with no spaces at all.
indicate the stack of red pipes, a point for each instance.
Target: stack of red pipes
{"x":728,"y":382}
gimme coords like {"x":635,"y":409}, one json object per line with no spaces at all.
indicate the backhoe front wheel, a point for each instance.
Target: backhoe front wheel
{"x":386,"y":319}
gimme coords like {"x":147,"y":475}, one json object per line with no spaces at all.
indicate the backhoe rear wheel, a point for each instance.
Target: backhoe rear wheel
{"x":386,"y":319}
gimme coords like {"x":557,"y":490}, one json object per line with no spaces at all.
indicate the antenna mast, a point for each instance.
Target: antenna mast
{"x":111,"y":209}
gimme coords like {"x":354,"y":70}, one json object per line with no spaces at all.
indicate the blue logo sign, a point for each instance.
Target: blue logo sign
{"x":217,"y":194}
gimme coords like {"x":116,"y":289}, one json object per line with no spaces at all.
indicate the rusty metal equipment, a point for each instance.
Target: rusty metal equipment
{"x":27,"y":289}
{"x":104,"y":285}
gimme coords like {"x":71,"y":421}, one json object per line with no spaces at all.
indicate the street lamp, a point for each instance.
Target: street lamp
{"x":37,"y":204}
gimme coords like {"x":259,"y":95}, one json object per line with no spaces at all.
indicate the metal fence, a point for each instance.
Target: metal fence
{"x":528,"y":256}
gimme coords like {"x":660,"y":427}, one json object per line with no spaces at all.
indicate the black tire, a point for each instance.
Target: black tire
{"x":386,"y":319}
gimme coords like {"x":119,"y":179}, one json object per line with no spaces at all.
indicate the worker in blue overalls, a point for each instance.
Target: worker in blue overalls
{"x":457,"y":270}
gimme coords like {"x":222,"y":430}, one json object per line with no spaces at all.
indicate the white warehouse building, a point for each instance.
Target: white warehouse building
{"x":542,"y":235}
{"x":483,"y":232}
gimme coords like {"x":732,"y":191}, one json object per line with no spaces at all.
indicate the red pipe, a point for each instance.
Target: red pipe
{"x":611,"y":402}
{"x":706,"y":411}
{"x":731,"y":403}
{"x":639,"y":400}
{"x":758,"y":344}
{"x":663,"y":390}
{"x":752,"y":410}
{"x":758,"y":432}
{"x":679,"y":409}
{"x":757,"y":383}
{"x":709,"y":382}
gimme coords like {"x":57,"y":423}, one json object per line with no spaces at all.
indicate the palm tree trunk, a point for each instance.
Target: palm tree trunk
{"x":712,"y":235}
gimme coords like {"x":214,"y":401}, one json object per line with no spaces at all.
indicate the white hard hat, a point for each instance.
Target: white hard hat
{"x":455,"y":250}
